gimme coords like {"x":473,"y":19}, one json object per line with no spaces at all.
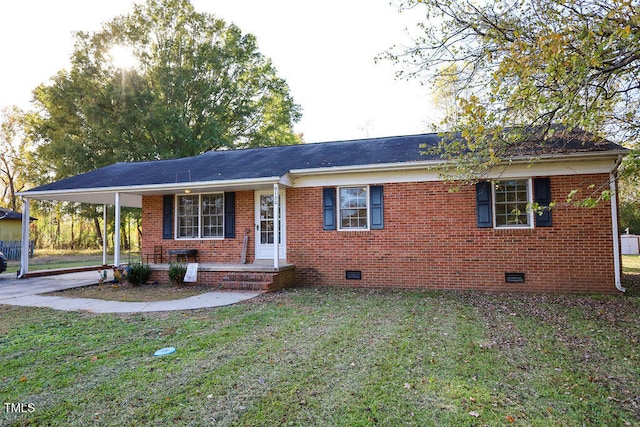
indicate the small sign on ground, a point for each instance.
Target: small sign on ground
{"x":191,"y":276}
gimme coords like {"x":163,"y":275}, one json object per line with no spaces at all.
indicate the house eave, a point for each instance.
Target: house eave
{"x":442,"y":165}
{"x":131,"y":196}
{"x":367,"y":168}
{"x":563,"y":157}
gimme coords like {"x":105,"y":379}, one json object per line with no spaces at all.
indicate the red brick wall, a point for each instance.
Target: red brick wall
{"x":430,"y":240}
{"x":214,"y":251}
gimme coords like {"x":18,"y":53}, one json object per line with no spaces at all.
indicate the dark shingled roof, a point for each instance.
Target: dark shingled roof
{"x":9,"y":214}
{"x":277,"y":161}
{"x":6,"y":213}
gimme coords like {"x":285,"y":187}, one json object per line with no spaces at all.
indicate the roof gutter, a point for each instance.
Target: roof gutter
{"x":617,"y":263}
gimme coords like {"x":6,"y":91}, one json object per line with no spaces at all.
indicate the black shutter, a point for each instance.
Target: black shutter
{"x":377,"y":207}
{"x":167,"y":217}
{"x":483,"y":204}
{"x":230,"y":215}
{"x":542,"y":195}
{"x":329,"y":208}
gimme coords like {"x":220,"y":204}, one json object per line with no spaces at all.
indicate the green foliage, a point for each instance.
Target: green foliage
{"x":139,"y":274}
{"x":200,"y":84}
{"x":15,"y":153}
{"x":524,"y":69}
{"x":177,"y":272}
{"x":630,"y":216}
{"x":630,"y":195}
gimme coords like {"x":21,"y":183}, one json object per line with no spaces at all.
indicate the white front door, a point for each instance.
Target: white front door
{"x":265,"y":225}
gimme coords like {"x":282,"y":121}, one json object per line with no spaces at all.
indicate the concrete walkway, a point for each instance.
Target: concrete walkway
{"x":26,"y":292}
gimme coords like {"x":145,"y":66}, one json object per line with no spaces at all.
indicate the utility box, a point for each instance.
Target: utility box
{"x":630,"y":244}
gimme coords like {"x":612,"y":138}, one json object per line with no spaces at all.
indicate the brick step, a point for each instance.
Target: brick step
{"x":248,"y":281}
{"x":245,"y":286}
{"x":249,"y":277}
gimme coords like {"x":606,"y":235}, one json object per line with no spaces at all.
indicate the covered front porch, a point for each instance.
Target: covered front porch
{"x":255,"y":209}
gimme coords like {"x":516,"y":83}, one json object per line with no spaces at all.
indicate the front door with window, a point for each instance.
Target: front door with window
{"x":265,"y":225}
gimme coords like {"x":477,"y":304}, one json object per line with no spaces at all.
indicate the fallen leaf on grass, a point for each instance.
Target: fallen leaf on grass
{"x":510,"y":418}
{"x":23,"y":379}
{"x":94,"y":358}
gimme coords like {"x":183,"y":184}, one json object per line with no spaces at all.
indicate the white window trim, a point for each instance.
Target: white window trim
{"x":175,"y":217}
{"x":529,"y":202}
{"x":339,"y":219}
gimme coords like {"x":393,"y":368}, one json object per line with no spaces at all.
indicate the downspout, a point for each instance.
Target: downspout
{"x":614,"y":224}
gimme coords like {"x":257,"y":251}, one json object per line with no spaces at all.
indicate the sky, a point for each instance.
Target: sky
{"x":325,"y":51}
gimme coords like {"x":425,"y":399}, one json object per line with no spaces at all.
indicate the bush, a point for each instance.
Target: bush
{"x":139,"y":274}
{"x":176,"y":273}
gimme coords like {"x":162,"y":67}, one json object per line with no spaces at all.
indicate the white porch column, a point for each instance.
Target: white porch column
{"x":24,"y":248}
{"x":104,"y":235}
{"x":116,"y":232}
{"x":276,"y":225}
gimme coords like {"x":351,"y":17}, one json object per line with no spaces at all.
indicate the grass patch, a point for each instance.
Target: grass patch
{"x":331,"y":357}
{"x":49,"y":259}
{"x":631,"y":264}
{"x":133,"y":293}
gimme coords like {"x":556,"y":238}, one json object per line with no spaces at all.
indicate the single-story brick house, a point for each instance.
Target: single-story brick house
{"x":371,"y":213}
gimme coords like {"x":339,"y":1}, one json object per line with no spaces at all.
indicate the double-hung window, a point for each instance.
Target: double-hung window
{"x":200,"y":216}
{"x":353,"y":205}
{"x":512,"y":200}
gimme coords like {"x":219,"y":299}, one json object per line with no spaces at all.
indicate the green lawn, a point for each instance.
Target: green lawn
{"x":49,"y":259}
{"x":331,"y":357}
{"x":631,"y":264}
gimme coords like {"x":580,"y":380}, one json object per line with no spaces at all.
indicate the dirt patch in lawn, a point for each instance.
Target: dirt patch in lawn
{"x":130,"y":293}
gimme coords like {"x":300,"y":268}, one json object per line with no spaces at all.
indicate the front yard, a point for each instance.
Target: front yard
{"x":330,"y":357}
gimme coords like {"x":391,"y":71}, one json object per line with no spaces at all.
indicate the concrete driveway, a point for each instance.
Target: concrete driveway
{"x":27,"y":293}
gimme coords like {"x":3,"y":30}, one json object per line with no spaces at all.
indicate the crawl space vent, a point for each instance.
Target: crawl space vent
{"x":514,"y":277}
{"x":353,"y":275}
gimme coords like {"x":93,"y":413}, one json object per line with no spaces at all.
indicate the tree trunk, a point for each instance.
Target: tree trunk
{"x":139,"y":228}
{"x":73,"y":234}
{"x":125,"y":235}
{"x":96,"y":225}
